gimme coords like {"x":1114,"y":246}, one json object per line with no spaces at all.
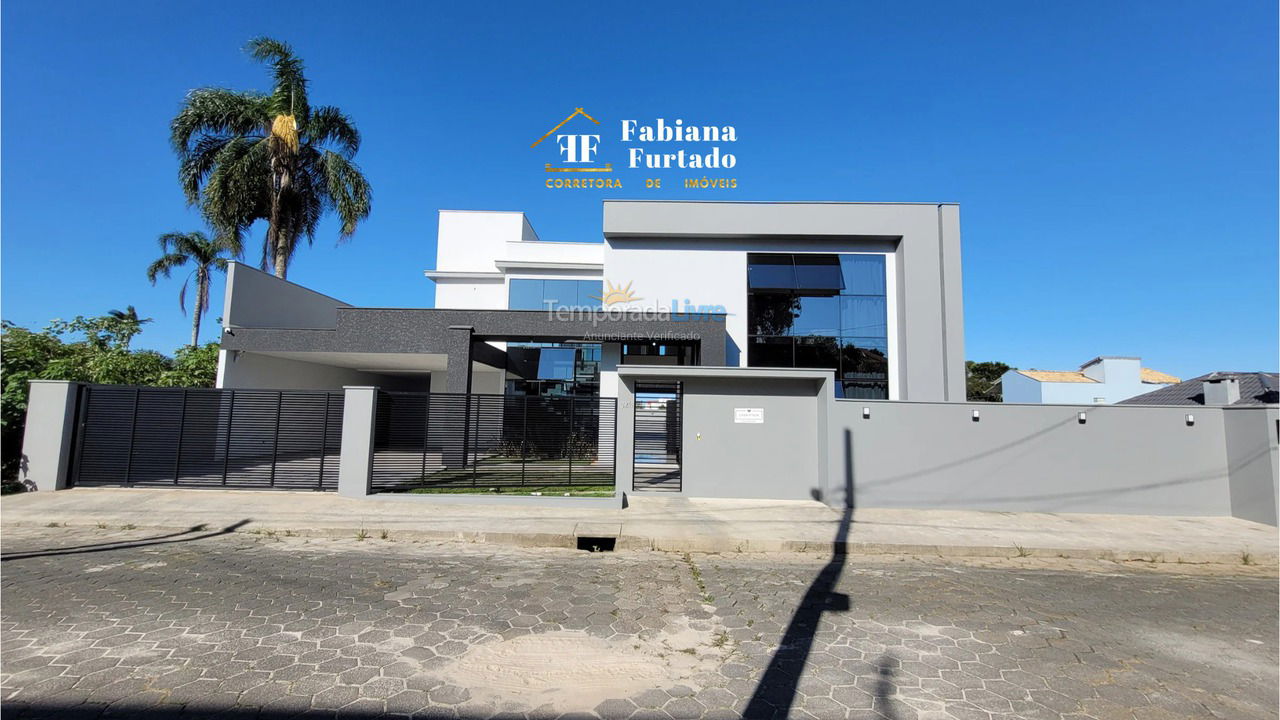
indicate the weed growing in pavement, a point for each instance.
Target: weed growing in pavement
{"x":697,"y":579}
{"x":362,"y":534}
{"x":1246,"y":557}
{"x":1022,"y":552}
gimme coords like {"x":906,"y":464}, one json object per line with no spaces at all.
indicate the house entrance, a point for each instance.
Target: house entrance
{"x":658,"y":424}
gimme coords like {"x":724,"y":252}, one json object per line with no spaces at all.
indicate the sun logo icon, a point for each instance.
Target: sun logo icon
{"x":613,"y":295}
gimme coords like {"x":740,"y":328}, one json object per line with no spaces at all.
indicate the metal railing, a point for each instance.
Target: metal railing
{"x":441,"y":440}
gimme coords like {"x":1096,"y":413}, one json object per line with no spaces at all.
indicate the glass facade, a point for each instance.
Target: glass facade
{"x":655,"y":353}
{"x":531,"y":294}
{"x":553,"y":369}
{"x":821,"y":311}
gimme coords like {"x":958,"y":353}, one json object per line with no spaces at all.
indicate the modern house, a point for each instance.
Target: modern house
{"x":869,"y":291}
{"x":724,"y":350}
{"x":1102,"y":380}
{"x":1222,"y":389}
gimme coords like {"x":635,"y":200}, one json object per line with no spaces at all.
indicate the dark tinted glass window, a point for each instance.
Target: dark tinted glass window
{"x":821,"y":311}
{"x":863,"y":315}
{"x":525,"y":295}
{"x":820,"y":273}
{"x":767,"y":272}
{"x":770,"y":352}
{"x":531,"y":294}
{"x":771,"y":313}
{"x":817,"y":316}
{"x":817,"y":352}
{"x":862,"y":274}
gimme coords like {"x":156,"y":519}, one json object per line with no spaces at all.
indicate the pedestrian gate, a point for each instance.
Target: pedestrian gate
{"x":658,"y":425}
{"x":197,"y":437}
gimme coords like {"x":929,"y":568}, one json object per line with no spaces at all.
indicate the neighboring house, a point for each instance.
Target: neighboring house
{"x":1216,"y":389}
{"x":870,"y":291}
{"x":1101,"y":380}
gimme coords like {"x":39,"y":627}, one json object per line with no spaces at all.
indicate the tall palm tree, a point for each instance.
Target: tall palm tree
{"x":130,"y":323}
{"x":207,"y":255}
{"x":248,"y":156}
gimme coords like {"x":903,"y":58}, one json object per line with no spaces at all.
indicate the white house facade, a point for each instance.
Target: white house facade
{"x":1102,"y":380}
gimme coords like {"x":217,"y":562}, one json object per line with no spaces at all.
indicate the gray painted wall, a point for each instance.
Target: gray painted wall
{"x":1032,"y":457}
{"x":257,"y":299}
{"x":46,"y":439}
{"x":782,"y":458}
{"x":1251,"y":435}
{"x":774,"y":459}
{"x":250,"y":370}
{"x":1021,"y":458}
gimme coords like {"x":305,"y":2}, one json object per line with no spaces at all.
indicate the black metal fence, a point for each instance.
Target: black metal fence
{"x":439,"y":440}
{"x":195,"y":437}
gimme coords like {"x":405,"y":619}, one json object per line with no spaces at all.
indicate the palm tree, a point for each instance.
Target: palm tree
{"x":207,"y":255}
{"x":248,"y":156}
{"x":129,"y":323}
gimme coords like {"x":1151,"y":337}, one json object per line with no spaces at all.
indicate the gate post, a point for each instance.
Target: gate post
{"x":359,"y":413}
{"x":46,"y":439}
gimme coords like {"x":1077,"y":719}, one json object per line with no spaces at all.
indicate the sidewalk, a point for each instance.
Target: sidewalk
{"x":667,"y":523}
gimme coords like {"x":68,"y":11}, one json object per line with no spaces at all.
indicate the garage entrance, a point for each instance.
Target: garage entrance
{"x":197,"y":438}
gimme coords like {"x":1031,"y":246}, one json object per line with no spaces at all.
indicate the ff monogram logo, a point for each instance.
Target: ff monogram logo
{"x":575,"y":148}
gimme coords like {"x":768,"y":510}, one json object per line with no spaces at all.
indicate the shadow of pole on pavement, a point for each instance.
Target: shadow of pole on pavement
{"x":184,"y":536}
{"x":775,"y":693}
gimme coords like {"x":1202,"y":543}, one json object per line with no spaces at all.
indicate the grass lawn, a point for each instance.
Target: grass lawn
{"x":555,"y":490}
{"x":491,"y":472}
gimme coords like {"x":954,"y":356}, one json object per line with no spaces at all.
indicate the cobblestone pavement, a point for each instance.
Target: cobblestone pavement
{"x":111,"y":622}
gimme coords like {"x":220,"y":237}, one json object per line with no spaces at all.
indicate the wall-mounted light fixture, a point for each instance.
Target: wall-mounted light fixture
{"x":977,"y":416}
{"x":1081,"y":417}
{"x":866,"y":413}
{"x":1191,"y":419}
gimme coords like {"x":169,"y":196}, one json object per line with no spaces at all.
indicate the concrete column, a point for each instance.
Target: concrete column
{"x":458,"y":346}
{"x":624,"y":447}
{"x":359,"y":413}
{"x":457,"y":429}
{"x":46,"y":440}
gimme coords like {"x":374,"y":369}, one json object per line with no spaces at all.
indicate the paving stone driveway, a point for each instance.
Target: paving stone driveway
{"x":106,"y":622}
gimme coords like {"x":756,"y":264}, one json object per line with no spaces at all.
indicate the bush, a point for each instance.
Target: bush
{"x":100,"y":354}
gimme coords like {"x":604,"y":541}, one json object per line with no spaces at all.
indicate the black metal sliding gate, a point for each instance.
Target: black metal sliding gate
{"x":196,"y":438}
{"x":441,"y":440}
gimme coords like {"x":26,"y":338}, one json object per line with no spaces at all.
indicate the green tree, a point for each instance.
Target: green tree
{"x":86,"y":349}
{"x":193,"y":366}
{"x":247,"y":156}
{"x":128,"y":322}
{"x":982,"y":380}
{"x":207,"y":255}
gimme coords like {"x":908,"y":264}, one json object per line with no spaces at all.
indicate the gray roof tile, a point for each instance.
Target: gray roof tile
{"x":1256,"y":388}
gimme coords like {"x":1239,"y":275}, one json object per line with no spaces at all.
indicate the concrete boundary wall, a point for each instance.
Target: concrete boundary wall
{"x":1148,"y":460}
{"x":1044,"y":458}
{"x":1251,"y":434}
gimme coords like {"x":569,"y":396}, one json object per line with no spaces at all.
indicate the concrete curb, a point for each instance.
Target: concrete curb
{"x":726,"y":545}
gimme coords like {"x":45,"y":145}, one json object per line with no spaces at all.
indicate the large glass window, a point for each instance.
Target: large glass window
{"x":821,"y":311}
{"x":553,"y":369}
{"x":536,"y":294}
{"x":656,"y":353}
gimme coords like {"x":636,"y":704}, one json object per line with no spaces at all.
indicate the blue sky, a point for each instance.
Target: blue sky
{"x":1115,"y":162}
